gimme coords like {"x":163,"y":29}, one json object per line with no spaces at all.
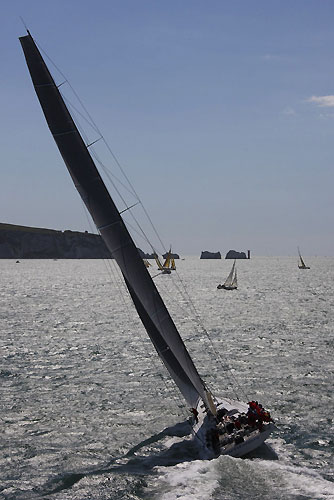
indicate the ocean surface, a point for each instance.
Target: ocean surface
{"x":89,"y":412}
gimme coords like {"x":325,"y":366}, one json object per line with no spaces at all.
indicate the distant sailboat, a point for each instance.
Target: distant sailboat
{"x":301,"y":263}
{"x":231,"y":282}
{"x":213,"y":418}
{"x":161,"y":267}
{"x":169,"y":261}
{"x":168,"y":265}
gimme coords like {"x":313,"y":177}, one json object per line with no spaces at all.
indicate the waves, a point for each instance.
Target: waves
{"x":88,"y":411}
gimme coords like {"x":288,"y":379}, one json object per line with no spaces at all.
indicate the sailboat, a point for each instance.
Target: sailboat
{"x":161,"y":267}
{"x":169,"y":261}
{"x":209,"y":412}
{"x":168,"y":265}
{"x":231,"y":282}
{"x":301,"y":263}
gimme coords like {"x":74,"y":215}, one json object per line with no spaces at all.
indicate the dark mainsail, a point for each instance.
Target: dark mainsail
{"x":149,"y":305}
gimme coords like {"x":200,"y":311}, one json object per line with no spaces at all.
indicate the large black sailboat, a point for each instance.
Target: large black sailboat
{"x":210,"y":413}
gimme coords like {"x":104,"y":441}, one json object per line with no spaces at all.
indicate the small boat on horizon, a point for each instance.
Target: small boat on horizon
{"x":301,"y":263}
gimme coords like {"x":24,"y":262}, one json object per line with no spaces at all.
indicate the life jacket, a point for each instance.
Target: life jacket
{"x":194,"y":412}
{"x":266,"y":416}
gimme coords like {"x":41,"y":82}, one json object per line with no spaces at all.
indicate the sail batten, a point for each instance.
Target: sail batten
{"x":147,"y":300}
{"x":108,"y":225}
{"x":64,"y":133}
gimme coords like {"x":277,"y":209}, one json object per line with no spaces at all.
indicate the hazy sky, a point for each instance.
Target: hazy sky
{"x":221,"y":113}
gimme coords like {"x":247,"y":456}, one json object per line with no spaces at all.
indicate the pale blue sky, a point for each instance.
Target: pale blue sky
{"x":221,"y":114}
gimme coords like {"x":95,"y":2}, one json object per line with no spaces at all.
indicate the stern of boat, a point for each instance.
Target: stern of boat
{"x":236,"y":444}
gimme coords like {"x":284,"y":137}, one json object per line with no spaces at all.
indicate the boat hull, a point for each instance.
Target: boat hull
{"x":251,"y":443}
{"x":236,"y":444}
{"x":226,"y":287}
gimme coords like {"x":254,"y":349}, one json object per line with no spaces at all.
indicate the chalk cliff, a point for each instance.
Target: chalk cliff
{"x":21,"y":242}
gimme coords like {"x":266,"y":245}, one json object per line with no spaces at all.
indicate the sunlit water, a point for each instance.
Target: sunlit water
{"x":88,"y":411}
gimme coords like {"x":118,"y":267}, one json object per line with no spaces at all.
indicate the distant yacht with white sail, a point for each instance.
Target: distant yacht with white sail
{"x":231,"y":282}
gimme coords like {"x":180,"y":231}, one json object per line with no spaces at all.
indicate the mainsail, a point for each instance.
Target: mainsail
{"x":302,"y":264}
{"x":157,"y":260}
{"x":150,"y":306}
{"x":230,"y":278}
{"x":166,"y":264}
{"x":170,"y":261}
{"x":235,"y":280}
{"x":302,"y":261}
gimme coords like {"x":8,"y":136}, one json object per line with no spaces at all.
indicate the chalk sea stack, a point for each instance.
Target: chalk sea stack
{"x":233,"y":254}
{"x":210,"y":255}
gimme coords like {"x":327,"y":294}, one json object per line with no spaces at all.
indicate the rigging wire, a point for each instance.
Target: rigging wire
{"x":114,"y":273}
{"x":109,"y":175}
{"x":116,"y":278}
{"x":200,"y":322}
{"x":97,"y":130}
{"x":170,"y":387}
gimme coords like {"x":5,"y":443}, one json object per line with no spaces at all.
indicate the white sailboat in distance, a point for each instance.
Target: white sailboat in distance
{"x":231,"y":282}
{"x":213,"y":417}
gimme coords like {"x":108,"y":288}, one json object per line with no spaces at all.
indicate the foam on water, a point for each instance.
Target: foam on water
{"x":198,"y":479}
{"x":228,"y":478}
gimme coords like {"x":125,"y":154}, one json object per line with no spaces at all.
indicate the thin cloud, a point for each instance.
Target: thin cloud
{"x":324,"y":101}
{"x":289,"y":111}
{"x":272,"y":57}
{"x":326,"y":116}
{"x":281,"y":57}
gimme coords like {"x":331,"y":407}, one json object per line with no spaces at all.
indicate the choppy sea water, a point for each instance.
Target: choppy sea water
{"x":88,"y":411}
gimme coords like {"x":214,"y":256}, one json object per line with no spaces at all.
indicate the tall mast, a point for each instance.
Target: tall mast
{"x":147,"y":300}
